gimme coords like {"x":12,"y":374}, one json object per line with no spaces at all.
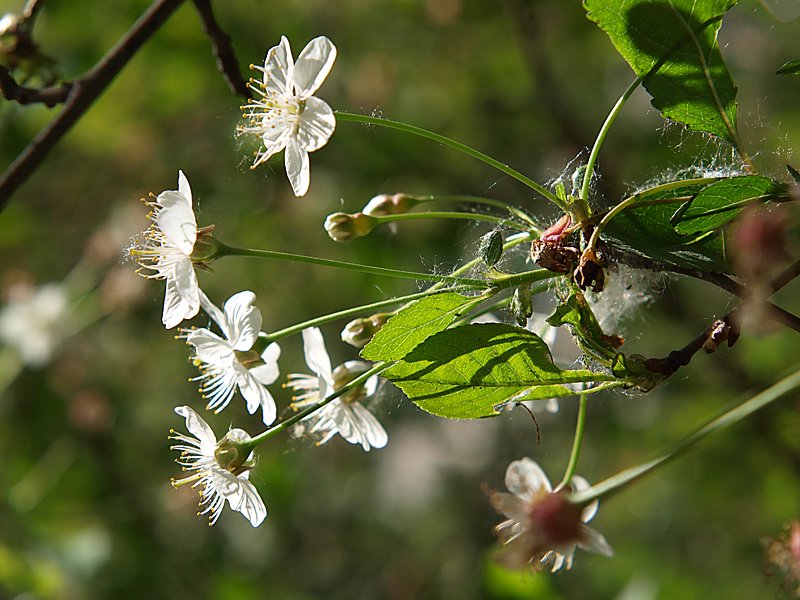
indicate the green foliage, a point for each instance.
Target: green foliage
{"x":576,"y":313}
{"x":469,"y":372}
{"x":647,"y":230}
{"x":414,"y":324}
{"x":791,"y":67}
{"x":672,"y":46}
{"x":720,"y":202}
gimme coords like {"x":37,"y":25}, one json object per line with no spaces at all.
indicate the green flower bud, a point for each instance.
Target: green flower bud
{"x":384,"y":204}
{"x":359,"y":332}
{"x":343,"y":227}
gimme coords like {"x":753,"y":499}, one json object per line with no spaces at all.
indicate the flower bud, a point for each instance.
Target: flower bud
{"x":359,"y":332}
{"x":343,"y":227}
{"x":384,"y":204}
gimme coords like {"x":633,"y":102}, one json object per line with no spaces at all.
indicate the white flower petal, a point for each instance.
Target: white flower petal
{"x":255,"y":394}
{"x":243,"y":319}
{"x":313,"y":66}
{"x":373,"y":433}
{"x":525,"y":479}
{"x":278,"y":66}
{"x":316,"y":355}
{"x":245,"y":499}
{"x":268,"y":372}
{"x":176,"y":306}
{"x":316,"y":124}
{"x":297,"y":167}
{"x":513,"y":507}
{"x":183,"y":186}
{"x":215,"y":313}
{"x":199,"y":429}
{"x":593,"y":541}
{"x":209,"y":347}
{"x":175,"y":217}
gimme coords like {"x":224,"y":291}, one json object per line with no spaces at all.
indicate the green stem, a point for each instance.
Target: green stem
{"x":518,"y":279}
{"x":446,"y":215}
{"x":282,"y":333}
{"x":541,"y":190}
{"x":225,"y":250}
{"x":623,"y":479}
{"x":463,"y":198}
{"x":577,"y":442}
{"x":631,"y":200}
{"x":275,"y":429}
{"x":601,"y":136}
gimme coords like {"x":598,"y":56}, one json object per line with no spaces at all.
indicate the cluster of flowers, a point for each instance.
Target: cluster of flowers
{"x":543,"y":528}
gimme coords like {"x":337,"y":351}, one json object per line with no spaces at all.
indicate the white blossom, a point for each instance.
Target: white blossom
{"x":33,"y":321}
{"x":167,"y":251}
{"x":543,"y":529}
{"x":346,"y":415}
{"x":229,"y":362}
{"x":218,"y":468}
{"x":285,"y":114}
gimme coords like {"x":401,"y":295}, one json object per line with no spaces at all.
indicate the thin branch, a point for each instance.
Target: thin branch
{"x":721,"y":330}
{"x":785,"y":276}
{"x":85,"y":90}
{"x":32,"y":7}
{"x":223,"y":49}
{"x":49,"y":96}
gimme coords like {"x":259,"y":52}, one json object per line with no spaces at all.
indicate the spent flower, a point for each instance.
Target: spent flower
{"x":346,"y":415}
{"x":285,"y":114}
{"x":232,"y":361}
{"x":543,"y":528}
{"x":167,"y":252}
{"x":221,"y":468}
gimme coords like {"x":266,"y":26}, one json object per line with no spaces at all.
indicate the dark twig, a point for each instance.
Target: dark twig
{"x":721,"y":330}
{"x":49,"y":96}
{"x":785,"y":276}
{"x":30,"y":11}
{"x":85,"y":90}
{"x":223,"y":49}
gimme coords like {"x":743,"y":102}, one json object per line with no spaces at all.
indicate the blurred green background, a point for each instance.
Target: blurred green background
{"x":86,"y":510}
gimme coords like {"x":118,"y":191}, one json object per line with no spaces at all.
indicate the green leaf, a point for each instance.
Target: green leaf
{"x":672,"y":46}
{"x":576,"y":313}
{"x":646,"y":230}
{"x":470,"y":371}
{"x":413,"y":324}
{"x":790,"y":68}
{"x":720,"y":202}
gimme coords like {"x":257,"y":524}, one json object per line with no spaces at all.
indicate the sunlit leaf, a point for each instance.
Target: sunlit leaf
{"x":720,"y":202}
{"x":470,"y":371}
{"x":646,"y":230}
{"x":790,"y":68}
{"x":413,"y":324}
{"x":672,"y":45}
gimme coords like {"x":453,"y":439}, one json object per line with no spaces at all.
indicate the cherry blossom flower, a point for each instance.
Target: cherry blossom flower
{"x":33,"y":321}
{"x":219,"y":467}
{"x":346,"y":415}
{"x":543,"y":529}
{"x":285,"y":114}
{"x":167,"y":251}
{"x":230,"y":361}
